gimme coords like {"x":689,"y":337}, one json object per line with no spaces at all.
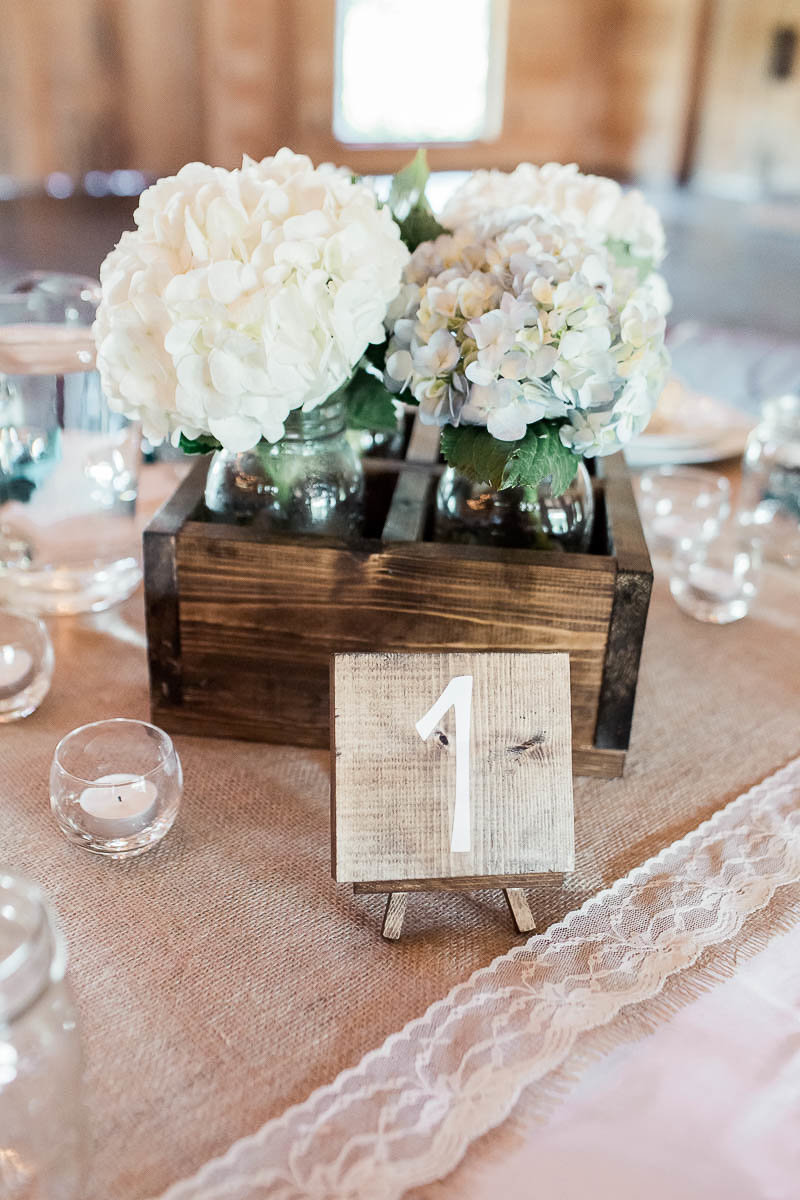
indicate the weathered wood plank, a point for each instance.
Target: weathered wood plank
{"x":520,"y":910}
{"x":396,"y":810}
{"x":408,"y":511}
{"x":394,"y":915}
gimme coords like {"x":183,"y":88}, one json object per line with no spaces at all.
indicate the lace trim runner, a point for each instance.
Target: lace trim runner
{"x":406,"y":1114}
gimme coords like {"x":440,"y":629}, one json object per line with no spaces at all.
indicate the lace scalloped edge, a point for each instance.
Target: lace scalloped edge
{"x":407,"y":1112}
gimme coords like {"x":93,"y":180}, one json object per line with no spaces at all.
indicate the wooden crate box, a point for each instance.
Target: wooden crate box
{"x":241,"y":626}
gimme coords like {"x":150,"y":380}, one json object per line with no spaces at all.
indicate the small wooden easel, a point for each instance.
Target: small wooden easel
{"x":397,"y":893}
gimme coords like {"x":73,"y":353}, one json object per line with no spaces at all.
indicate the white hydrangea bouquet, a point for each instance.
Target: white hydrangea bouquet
{"x":532,"y":328}
{"x":244,"y":295}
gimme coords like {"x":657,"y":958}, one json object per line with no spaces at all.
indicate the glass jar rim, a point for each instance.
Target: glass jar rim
{"x":165,"y":742}
{"x":685,"y":473}
{"x":39,"y":958}
{"x":781,"y":410}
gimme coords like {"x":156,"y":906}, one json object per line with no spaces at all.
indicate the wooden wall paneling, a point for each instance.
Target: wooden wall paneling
{"x":748,"y":139}
{"x":26,"y":147}
{"x":248,"y":70}
{"x":603,"y":82}
{"x":651,"y":85}
{"x":151,"y":84}
{"x":161,"y":88}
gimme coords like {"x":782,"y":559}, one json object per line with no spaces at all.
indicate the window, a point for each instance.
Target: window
{"x":410,"y":71}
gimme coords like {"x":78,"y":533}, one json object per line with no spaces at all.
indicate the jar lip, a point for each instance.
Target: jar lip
{"x":166,"y":746}
{"x":778,"y":409}
{"x":39,"y":958}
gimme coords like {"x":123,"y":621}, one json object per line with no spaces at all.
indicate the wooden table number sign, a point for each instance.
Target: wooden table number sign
{"x":450,"y":770}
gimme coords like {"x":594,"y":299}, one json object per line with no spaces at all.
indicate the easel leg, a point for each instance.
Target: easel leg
{"x":393,"y":917}
{"x":520,"y":911}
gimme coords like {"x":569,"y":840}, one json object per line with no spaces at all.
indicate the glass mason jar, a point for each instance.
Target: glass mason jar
{"x":530,"y":517}
{"x":771,"y":478}
{"x":311,"y":481}
{"x":68,"y":465}
{"x":42,"y":1133}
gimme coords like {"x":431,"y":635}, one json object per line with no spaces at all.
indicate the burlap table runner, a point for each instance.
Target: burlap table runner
{"x":224,"y":976}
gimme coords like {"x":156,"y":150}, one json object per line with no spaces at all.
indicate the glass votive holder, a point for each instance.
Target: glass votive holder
{"x":717,"y":579}
{"x":26,"y":664}
{"x":115,"y":786}
{"x":681,"y":502}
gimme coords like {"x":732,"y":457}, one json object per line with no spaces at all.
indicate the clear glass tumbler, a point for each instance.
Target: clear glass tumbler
{"x":716,"y":579}
{"x":26,"y":665}
{"x":115,"y":786}
{"x":42,"y":1124}
{"x":681,"y":502}
{"x":771,"y":477}
{"x":68,"y":465}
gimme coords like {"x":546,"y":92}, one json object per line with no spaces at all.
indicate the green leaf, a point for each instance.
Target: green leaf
{"x":408,"y":185}
{"x":420,"y":226}
{"x":539,"y":454}
{"x":376,"y":355}
{"x":473,"y":452}
{"x":409,"y":204}
{"x":204,"y":444}
{"x":369,"y":404}
{"x":621,"y":253}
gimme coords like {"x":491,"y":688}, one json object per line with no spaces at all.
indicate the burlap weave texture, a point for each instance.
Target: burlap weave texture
{"x":224,"y":976}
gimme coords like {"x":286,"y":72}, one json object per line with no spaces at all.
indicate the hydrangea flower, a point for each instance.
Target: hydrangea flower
{"x":592,"y":203}
{"x":526,"y":318}
{"x":243,"y":295}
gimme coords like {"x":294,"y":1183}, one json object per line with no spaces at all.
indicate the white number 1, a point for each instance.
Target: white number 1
{"x":457,"y":695}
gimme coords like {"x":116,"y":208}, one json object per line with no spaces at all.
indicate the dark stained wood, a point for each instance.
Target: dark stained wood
{"x":162,"y":611}
{"x":241,"y":626}
{"x":632,"y":588}
{"x":466,"y":883}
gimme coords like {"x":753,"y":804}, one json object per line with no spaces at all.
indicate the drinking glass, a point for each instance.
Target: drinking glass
{"x":115,"y":786}
{"x":716,"y":579}
{"x":681,"y":502}
{"x":68,"y":465}
{"x":26,"y":664}
{"x":771,"y":477}
{"x":42,"y":1123}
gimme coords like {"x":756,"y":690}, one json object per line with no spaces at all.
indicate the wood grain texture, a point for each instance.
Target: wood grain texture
{"x":467,"y":883}
{"x":520,"y":910}
{"x":241,"y":628}
{"x":392,"y":804}
{"x":278,"y":610}
{"x":393,"y":917}
{"x":632,"y":588}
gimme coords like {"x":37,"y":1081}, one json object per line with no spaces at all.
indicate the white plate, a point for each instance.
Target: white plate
{"x":731,"y":444}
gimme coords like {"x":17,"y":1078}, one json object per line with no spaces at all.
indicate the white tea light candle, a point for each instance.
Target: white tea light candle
{"x":17,"y":670}
{"x":118,"y":805}
{"x":26,"y":664}
{"x":115,"y":786}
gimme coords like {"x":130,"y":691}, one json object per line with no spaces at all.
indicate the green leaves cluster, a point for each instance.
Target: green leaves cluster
{"x":473,"y":452}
